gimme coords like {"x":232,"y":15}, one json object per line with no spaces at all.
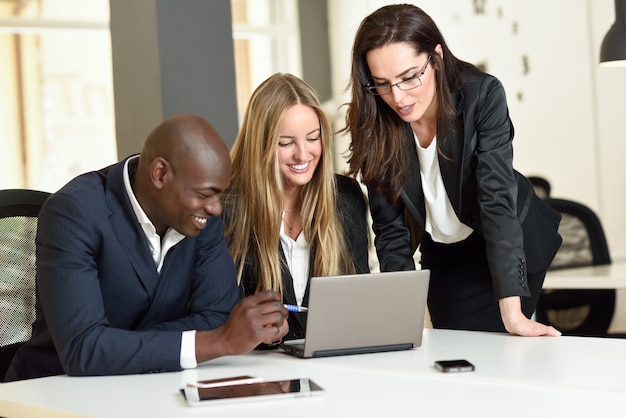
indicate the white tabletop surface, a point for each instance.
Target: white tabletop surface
{"x":514,"y":377}
{"x":611,"y":276}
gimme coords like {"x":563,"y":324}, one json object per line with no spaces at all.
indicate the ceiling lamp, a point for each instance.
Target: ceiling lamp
{"x":613,"y":49}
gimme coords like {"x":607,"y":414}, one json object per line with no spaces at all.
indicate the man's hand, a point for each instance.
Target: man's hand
{"x":256,"y":319}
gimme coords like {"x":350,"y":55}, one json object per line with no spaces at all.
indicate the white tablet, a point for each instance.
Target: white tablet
{"x":217,"y":395}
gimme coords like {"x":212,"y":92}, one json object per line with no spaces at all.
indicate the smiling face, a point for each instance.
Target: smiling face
{"x":191,"y":192}
{"x":183,"y":168}
{"x":188,"y":183}
{"x":395,"y":63}
{"x":299,"y":146}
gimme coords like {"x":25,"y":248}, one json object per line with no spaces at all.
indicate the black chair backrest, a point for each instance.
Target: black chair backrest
{"x":584,"y":242}
{"x":541,"y":185}
{"x":578,"y":311}
{"x":18,"y":225}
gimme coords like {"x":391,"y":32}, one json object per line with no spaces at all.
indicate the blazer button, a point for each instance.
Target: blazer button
{"x":521,"y":267}
{"x":471,"y":221}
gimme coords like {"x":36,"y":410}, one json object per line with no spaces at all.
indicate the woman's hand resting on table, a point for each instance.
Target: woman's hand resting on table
{"x":515,"y":322}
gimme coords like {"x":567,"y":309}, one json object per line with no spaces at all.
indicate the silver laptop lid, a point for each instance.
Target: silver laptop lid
{"x":366,"y":310}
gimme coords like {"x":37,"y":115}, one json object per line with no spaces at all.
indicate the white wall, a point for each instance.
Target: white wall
{"x":568,"y":113}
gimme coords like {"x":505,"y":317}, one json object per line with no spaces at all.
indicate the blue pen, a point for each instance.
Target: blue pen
{"x":296,"y":308}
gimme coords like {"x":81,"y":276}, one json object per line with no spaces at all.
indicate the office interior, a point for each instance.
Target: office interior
{"x":83,"y":82}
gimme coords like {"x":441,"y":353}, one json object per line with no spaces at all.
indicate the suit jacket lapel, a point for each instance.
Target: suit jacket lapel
{"x":289,"y":294}
{"x":128,"y":231}
{"x":454,"y":149}
{"x":451,"y":166}
{"x":412,"y":195}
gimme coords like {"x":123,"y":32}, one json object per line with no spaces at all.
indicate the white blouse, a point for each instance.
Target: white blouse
{"x":297,"y":256}
{"x":441,"y":220}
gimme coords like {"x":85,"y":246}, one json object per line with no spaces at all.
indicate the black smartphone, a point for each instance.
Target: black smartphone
{"x":454,"y":366}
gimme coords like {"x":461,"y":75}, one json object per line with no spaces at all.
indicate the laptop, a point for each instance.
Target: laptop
{"x":363,"y":313}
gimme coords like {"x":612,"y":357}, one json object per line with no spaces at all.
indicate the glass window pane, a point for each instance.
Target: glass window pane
{"x":266,"y":41}
{"x":56,"y":94}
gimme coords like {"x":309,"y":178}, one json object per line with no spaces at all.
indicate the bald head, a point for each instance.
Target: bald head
{"x":184,"y":164}
{"x":181,"y":137}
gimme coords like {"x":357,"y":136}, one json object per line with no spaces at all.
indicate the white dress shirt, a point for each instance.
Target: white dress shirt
{"x":159,"y":249}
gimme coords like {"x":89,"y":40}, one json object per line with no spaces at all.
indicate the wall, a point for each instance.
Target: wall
{"x":314,"y":44}
{"x":168,"y":58}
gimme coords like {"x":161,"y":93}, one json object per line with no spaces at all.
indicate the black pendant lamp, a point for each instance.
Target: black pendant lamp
{"x":613,"y":49}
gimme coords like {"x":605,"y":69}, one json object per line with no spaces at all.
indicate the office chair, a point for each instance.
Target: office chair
{"x":541,"y":185}
{"x":18,"y":225}
{"x":586,"y":312}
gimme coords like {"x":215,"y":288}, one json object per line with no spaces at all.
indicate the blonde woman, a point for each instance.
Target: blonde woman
{"x":287,"y":215}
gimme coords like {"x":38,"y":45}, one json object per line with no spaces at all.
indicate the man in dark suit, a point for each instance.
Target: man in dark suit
{"x":133,"y":273}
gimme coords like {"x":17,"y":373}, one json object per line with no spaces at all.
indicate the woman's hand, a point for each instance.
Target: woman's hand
{"x":516,"y":322}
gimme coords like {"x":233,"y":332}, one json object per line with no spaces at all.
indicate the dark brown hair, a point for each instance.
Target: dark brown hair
{"x":378,"y":135}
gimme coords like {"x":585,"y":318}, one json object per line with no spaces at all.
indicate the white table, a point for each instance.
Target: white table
{"x":514,"y":377}
{"x":612,"y":276}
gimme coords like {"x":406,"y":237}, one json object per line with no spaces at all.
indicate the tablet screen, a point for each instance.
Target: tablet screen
{"x":251,"y":391}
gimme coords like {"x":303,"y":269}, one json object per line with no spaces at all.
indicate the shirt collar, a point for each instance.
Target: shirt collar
{"x":142,"y":218}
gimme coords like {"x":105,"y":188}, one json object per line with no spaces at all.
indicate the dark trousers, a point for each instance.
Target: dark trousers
{"x":460,"y":294}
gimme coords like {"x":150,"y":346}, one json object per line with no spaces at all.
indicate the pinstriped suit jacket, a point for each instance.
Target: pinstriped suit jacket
{"x":102,"y":307}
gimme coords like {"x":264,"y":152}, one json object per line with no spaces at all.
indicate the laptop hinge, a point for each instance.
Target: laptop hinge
{"x":362,"y":350}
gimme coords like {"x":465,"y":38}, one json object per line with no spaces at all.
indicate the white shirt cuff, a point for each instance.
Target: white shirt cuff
{"x":188,"y":350}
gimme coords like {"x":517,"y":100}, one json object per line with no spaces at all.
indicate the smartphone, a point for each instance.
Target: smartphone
{"x":229,"y":393}
{"x":454,"y":366}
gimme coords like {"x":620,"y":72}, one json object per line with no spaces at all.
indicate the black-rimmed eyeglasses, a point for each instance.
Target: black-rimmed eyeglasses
{"x":410,"y":83}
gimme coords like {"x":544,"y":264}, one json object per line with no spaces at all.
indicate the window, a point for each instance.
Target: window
{"x":56,"y":88}
{"x":266,"y":41}
{"x":56,"y":94}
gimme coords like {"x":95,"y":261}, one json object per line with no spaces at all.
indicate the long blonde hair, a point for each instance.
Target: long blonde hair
{"x":255,"y":196}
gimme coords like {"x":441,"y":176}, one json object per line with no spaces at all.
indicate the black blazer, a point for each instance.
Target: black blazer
{"x":351,"y":207}
{"x":487,"y":194}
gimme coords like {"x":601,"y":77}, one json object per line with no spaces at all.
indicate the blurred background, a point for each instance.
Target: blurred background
{"x":83,"y":81}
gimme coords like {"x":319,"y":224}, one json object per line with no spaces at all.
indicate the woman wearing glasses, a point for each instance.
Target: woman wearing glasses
{"x":287,"y":215}
{"x":431,"y":139}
